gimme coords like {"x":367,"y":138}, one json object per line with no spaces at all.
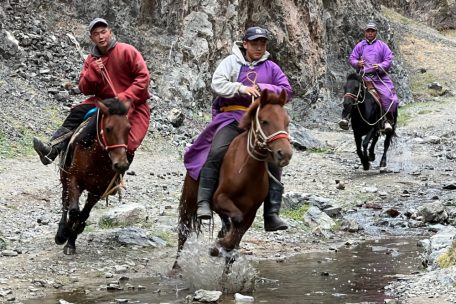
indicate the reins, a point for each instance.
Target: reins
{"x":357,"y":101}
{"x":103,"y":144}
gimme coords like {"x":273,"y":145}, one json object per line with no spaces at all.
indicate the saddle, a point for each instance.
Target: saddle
{"x":371,"y":89}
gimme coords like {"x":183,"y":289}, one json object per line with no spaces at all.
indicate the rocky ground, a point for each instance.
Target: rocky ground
{"x":136,"y":237}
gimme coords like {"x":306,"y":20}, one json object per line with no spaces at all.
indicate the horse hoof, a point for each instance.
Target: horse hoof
{"x":60,"y":240}
{"x":214,"y":251}
{"x":68,"y":250}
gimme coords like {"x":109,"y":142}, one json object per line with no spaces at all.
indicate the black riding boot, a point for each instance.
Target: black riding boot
{"x":207,"y":184}
{"x":49,"y":151}
{"x":388,"y":123}
{"x":272,"y":203}
{"x":344,"y":121}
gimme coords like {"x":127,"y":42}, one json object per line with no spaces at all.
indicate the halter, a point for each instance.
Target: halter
{"x":258,"y":141}
{"x":102,"y":139}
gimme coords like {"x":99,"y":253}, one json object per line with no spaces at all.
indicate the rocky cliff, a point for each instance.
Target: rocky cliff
{"x":182,"y":42}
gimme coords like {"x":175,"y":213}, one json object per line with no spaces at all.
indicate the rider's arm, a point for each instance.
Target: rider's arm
{"x":222,"y":83}
{"x":137,"y":91}
{"x":90,"y":77}
{"x":356,"y":56}
{"x":279,"y":81}
{"x":387,"y":57}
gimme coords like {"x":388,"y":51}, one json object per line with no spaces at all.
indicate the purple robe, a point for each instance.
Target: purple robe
{"x":269,"y":77}
{"x":377,"y":52}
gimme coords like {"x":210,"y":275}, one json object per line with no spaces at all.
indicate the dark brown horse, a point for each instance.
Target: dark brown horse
{"x":243,"y":182}
{"x":96,"y":159}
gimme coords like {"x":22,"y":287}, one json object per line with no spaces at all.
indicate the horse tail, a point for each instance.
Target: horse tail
{"x":188,"y":221}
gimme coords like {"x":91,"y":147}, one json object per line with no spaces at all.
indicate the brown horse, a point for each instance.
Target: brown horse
{"x":243,"y":181}
{"x":96,"y":158}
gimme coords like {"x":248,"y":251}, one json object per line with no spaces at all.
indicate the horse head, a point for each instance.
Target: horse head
{"x":353,"y":90}
{"x":114,"y":128}
{"x":267,"y":122}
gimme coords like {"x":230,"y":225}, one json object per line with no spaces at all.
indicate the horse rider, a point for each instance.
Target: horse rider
{"x":238,"y":79}
{"x":129,"y":82}
{"x":372,"y":58}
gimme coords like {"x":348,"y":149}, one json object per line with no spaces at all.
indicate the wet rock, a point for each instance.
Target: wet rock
{"x":434,"y":212}
{"x":207,"y":296}
{"x":392,"y":212}
{"x":239,"y":298}
{"x":316,"y":218}
{"x":127,"y":214}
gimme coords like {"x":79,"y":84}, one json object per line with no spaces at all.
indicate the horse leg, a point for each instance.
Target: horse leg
{"x":63,"y":231}
{"x":372,"y":147}
{"x":361,"y":154}
{"x":385,"y":149}
{"x":224,"y":206}
{"x":226,"y":226}
{"x":187,"y":214}
{"x":62,"y":234}
{"x":92,"y":199}
{"x":233,"y":238}
{"x":73,"y":217}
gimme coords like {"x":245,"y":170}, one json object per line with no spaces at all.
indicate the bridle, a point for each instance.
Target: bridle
{"x":102,"y":138}
{"x":258,"y":141}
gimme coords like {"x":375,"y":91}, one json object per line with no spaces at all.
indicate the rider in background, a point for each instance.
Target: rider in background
{"x":372,"y":58}
{"x":112,"y":69}
{"x":239,"y":77}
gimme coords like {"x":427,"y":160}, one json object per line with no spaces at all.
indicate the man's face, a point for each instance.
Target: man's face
{"x":255,"y":49}
{"x":370,"y":34}
{"x":101,"y":36}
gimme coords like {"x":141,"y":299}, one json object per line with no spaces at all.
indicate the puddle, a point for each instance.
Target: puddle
{"x":350,"y":275}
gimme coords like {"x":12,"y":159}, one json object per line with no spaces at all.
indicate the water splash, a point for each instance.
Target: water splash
{"x":202,"y":271}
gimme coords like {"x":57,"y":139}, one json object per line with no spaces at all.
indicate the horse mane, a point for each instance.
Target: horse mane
{"x":354,"y":76}
{"x":267,"y":97}
{"x":89,"y":133}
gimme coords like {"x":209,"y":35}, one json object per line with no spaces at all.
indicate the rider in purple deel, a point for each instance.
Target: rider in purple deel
{"x":240,"y":77}
{"x":372,"y":58}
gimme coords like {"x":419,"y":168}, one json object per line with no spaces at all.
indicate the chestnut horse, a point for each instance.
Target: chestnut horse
{"x":96,"y":160}
{"x":366,"y":117}
{"x":243,"y":181}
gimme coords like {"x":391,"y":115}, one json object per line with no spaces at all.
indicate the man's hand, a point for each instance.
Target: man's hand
{"x":253,"y":91}
{"x":376,"y":66}
{"x":361,"y":63}
{"x":99,"y":64}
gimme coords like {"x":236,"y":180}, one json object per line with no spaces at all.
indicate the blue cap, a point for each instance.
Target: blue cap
{"x":255,"y":32}
{"x":97,"y":21}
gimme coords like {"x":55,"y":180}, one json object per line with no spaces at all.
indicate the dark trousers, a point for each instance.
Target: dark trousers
{"x":220,"y":145}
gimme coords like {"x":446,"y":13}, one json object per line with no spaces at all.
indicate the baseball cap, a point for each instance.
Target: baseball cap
{"x":370,"y":25}
{"x":97,"y":21}
{"x":255,"y":32}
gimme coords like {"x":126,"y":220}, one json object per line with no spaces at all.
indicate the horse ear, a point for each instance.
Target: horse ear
{"x":103,"y":108}
{"x":283,"y":97}
{"x":264,"y":97}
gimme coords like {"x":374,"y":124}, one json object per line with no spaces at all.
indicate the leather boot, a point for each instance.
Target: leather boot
{"x":49,"y":151}
{"x":388,"y":123}
{"x":207,"y":184}
{"x":344,"y":121}
{"x":272,"y":203}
